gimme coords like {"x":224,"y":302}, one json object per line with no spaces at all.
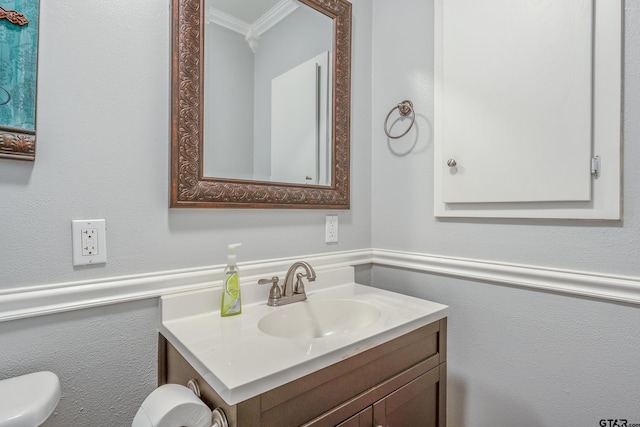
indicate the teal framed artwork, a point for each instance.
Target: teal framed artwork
{"x":18,"y":78}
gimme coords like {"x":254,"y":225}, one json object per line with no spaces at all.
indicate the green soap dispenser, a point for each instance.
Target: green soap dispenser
{"x":231,"y":301}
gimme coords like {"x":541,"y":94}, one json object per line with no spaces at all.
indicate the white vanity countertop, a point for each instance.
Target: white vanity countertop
{"x":240,"y":361}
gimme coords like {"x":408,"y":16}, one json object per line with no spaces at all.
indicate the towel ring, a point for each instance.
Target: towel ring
{"x":404,"y":108}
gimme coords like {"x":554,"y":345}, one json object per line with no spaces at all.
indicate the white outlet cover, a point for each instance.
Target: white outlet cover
{"x":331,"y":229}
{"x":98,"y":252}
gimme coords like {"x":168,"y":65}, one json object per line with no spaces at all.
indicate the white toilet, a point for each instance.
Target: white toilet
{"x":173,"y":405}
{"x":28,"y":400}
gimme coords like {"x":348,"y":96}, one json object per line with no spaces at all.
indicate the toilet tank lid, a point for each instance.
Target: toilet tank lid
{"x":28,"y":399}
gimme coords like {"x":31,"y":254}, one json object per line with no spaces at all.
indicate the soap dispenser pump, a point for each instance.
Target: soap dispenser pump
{"x":231,"y":301}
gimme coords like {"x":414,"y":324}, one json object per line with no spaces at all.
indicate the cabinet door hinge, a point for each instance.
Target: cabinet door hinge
{"x":595,"y":166}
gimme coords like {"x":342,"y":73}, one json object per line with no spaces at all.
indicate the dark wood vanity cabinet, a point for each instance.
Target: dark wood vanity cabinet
{"x":414,"y":404}
{"x":401,"y":383}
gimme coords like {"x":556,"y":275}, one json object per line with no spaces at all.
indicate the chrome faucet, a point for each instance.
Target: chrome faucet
{"x":290,"y":292}
{"x":288,"y":289}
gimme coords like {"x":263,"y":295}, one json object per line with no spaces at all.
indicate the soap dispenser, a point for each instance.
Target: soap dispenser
{"x":231,"y":301}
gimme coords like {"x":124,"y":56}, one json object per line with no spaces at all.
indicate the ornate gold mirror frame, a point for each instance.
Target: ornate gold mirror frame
{"x":189,"y":188}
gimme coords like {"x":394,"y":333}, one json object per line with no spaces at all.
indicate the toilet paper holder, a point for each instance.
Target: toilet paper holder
{"x":218,"y":418}
{"x":194,"y":387}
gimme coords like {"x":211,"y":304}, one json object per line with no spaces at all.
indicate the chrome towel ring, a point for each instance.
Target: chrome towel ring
{"x":404,"y":108}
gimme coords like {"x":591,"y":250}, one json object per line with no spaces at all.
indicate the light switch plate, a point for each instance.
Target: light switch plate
{"x":89,"y":240}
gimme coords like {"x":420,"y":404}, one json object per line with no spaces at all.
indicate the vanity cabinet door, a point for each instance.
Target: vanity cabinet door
{"x":418,"y":403}
{"x":361,"y":419}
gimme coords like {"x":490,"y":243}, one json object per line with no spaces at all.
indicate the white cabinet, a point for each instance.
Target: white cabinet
{"x":527,"y":94}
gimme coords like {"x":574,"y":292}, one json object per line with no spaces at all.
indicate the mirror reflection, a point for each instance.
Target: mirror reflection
{"x":267,"y":91}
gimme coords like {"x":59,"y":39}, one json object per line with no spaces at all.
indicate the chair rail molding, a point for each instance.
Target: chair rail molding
{"x":602,"y":286}
{"x":60,"y":297}
{"x":41,"y":300}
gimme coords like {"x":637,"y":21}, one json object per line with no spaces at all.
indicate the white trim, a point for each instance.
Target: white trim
{"x":60,"y":297}
{"x":218,"y":17}
{"x":594,"y":285}
{"x":274,"y":15}
{"x":252,"y":32}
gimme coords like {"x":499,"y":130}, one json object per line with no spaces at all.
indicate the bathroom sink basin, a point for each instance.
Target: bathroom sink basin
{"x":318,"y":318}
{"x":266,"y":347}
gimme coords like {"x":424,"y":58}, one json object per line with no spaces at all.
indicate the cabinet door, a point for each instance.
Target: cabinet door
{"x":361,"y":419}
{"x":526,"y":95}
{"x":518,"y":108}
{"x":419,"y":403}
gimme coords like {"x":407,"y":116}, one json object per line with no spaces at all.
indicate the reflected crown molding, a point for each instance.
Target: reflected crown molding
{"x":251,"y":32}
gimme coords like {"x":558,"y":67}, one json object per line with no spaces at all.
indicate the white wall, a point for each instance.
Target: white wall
{"x":103,"y":152}
{"x":516,"y":356}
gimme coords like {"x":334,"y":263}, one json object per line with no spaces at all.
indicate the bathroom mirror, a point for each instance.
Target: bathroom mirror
{"x":229,"y":120}
{"x":18,"y":71}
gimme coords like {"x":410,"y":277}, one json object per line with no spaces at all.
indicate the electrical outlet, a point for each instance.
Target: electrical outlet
{"x":89,"y":237}
{"x":331,"y":229}
{"x":89,"y":241}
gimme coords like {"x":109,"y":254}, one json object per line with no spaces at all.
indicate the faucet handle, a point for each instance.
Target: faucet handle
{"x":274,"y":292}
{"x":273,"y":280}
{"x":299,"y":286}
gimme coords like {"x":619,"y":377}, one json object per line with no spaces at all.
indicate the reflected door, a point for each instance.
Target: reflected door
{"x":299,"y":145}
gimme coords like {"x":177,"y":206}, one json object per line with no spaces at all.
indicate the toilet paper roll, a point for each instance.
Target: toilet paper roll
{"x":172,"y":405}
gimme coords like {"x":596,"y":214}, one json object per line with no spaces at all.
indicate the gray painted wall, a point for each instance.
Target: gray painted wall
{"x":103,"y":109}
{"x":403,"y":169}
{"x":103,"y":152}
{"x":279,"y":52}
{"x":529,"y":358}
{"x":516,"y":357}
{"x":106,"y":359}
{"x":228,"y":104}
